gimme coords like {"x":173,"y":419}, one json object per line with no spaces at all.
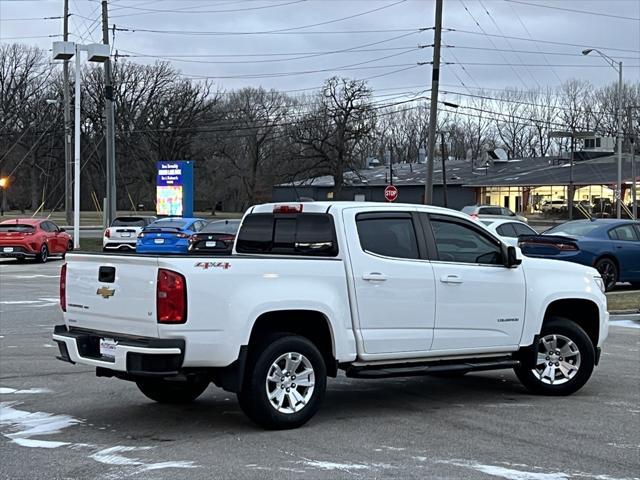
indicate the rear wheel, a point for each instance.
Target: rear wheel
{"x":164,"y":391}
{"x":285,"y":382}
{"x":565,"y":360}
{"x":608,"y":271}
{"x":43,"y":255}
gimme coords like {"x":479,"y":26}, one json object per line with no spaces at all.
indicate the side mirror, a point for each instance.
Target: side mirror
{"x":510,"y":256}
{"x":62,"y":230}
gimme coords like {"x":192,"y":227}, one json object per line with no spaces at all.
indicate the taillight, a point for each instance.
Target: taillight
{"x":297,"y":208}
{"x":183,"y":235}
{"x":567,"y":247}
{"x":107,"y":233}
{"x":229,"y":238}
{"x":171,"y":297}
{"x":141,"y":234}
{"x":63,"y":288}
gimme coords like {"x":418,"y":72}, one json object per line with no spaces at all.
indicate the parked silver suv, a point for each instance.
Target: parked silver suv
{"x":491,"y":211}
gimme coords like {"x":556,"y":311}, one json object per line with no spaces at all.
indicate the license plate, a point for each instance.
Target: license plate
{"x":158,"y":240}
{"x":210,"y":244}
{"x":7,"y":249}
{"x":125,"y":234}
{"x":108,"y":347}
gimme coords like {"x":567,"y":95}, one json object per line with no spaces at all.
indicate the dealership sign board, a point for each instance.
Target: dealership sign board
{"x":174,"y":188}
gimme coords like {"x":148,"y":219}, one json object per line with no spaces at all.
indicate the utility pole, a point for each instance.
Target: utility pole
{"x":110,"y":210}
{"x":68,"y":154}
{"x":433,"y":112}
{"x":571,"y":192}
{"x":444,"y":171}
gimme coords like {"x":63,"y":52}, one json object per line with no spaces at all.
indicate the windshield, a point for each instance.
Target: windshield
{"x":223,"y":226}
{"x":128,"y":222}
{"x":168,"y":223}
{"x":19,"y":227}
{"x":573,"y":229}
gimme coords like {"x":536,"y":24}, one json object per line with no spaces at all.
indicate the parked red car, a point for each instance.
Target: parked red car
{"x":23,"y":238}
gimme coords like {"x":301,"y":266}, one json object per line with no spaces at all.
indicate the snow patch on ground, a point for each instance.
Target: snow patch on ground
{"x":624,"y":323}
{"x":24,"y":425}
{"x":7,"y":390}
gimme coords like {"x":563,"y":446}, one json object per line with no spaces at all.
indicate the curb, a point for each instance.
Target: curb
{"x":624,"y":312}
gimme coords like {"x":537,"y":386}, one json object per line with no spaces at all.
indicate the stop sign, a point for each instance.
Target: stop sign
{"x":390,"y":193}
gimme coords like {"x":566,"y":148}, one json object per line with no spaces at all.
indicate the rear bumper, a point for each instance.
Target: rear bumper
{"x":120,"y":245}
{"x":18,"y":252}
{"x":133,"y":356}
{"x":169,"y":249}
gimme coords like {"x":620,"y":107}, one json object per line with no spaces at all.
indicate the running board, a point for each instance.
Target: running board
{"x":413,"y":370}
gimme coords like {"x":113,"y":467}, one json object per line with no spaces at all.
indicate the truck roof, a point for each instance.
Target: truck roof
{"x":325,"y":207}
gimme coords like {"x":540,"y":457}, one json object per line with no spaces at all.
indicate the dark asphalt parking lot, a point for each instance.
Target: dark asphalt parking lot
{"x":59,"y":421}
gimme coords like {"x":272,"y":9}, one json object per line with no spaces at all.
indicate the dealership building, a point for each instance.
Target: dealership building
{"x":519,"y":184}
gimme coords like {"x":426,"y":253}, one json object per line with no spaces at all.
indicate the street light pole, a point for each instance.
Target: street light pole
{"x":619,"y":206}
{"x":95,"y":53}
{"x":618,"y":67}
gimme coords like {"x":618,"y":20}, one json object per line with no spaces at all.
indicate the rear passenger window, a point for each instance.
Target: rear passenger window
{"x":307,"y":234}
{"x":390,"y":236}
{"x":506,"y":230}
{"x":625,"y":232}
{"x":491,"y":211}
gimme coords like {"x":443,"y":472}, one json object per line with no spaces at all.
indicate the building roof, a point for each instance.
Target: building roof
{"x":534,"y":171}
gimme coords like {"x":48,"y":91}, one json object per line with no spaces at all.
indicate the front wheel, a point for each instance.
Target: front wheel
{"x":285,"y":382}
{"x":565,"y":360}
{"x":68,"y":249}
{"x":608,"y":271}
{"x":164,"y":391}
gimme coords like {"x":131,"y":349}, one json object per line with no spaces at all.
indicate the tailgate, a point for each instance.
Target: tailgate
{"x":112,"y":293}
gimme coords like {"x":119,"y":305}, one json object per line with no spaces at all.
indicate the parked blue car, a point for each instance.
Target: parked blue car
{"x":168,"y":235}
{"x":609,"y":245}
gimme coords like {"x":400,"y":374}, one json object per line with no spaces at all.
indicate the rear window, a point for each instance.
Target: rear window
{"x":222,"y":226}
{"x":128,"y":222}
{"x":573,"y":229}
{"x":491,"y":211}
{"x":17,"y":228}
{"x":306,"y":234}
{"x":468,"y":210}
{"x":169,"y":223}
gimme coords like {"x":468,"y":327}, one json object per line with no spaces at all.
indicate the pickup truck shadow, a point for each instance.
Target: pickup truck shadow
{"x":217,"y":412}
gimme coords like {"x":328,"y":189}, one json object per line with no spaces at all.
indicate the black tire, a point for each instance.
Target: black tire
{"x":43,"y":256}
{"x":69,"y":248}
{"x":253,"y":397}
{"x":163,"y":391}
{"x":608,"y":271}
{"x":560,"y":327}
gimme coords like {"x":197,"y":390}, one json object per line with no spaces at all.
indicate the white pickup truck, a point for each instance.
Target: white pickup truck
{"x":376,"y":290}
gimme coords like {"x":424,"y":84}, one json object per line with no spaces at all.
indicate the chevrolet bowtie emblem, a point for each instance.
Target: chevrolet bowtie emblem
{"x":105,"y":292}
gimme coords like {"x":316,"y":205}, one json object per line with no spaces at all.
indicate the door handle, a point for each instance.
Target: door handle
{"x":374,"y":277}
{"x":451,"y":279}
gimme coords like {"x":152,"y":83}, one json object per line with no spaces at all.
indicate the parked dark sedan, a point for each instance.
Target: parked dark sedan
{"x":609,"y":245}
{"x":217,"y":237}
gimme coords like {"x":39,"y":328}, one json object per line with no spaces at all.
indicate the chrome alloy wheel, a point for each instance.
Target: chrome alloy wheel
{"x":558,"y":360}
{"x":290,"y":382}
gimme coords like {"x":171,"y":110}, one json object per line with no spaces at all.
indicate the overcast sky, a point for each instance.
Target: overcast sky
{"x":381,"y":39}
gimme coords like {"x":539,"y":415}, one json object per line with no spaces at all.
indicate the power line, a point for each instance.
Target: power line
{"x":491,"y":41}
{"x":269,"y":32}
{"x":492,"y":64}
{"x":508,"y":41}
{"x":572,"y":10}
{"x":534,"y":52}
{"x":358,"y":48}
{"x":28,"y":19}
{"x":531,"y":37}
{"x":147,"y":11}
{"x":549,"y":42}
